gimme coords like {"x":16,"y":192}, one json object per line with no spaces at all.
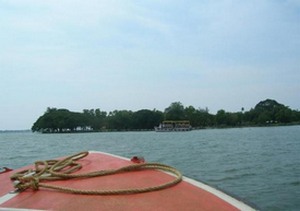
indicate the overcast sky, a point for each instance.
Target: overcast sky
{"x":132,"y":55}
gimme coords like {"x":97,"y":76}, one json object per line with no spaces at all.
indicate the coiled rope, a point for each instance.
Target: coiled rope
{"x":64,"y":169}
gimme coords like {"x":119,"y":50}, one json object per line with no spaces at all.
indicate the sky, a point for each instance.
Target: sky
{"x":132,"y":55}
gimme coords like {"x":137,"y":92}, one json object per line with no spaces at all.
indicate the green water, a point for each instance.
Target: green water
{"x":260,"y":165}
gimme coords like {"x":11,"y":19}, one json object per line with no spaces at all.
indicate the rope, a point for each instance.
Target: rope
{"x":64,"y":169}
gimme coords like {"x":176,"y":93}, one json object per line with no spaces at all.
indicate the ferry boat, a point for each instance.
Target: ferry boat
{"x":168,"y":126}
{"x":100,"y":181}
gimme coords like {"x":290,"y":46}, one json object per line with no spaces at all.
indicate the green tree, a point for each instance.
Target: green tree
{"x":146,"y":119}
{"x":221,"y":117}
{"x":120,"y":120}
{"x":175,"y":112}
{"x":191,"y":114}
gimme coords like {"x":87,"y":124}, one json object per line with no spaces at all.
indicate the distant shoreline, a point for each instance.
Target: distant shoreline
{"x":17,"y":131}
{"x":150,"y":130}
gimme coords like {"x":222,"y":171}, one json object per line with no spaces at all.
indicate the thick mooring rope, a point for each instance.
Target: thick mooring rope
{"x":64,"y":169}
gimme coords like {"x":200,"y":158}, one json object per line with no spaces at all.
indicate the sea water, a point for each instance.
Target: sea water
{"x":259,"y":165}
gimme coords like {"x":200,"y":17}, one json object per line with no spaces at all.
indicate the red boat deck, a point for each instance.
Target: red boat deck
{"x":187,"y":195}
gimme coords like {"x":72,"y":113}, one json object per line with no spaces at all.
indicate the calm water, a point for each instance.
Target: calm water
{"x":260,"y":165}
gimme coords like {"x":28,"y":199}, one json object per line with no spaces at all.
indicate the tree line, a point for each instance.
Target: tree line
{"x":267,"y":112}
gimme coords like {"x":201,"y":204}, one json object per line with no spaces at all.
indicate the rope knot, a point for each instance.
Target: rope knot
{"x":28,"y":182}
{"x":34,"y":183}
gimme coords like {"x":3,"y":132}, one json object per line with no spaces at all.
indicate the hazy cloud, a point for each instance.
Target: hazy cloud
{"x":132,"y":55}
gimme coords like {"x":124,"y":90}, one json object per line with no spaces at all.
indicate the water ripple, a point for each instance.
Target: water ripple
{"x":258,"y":164}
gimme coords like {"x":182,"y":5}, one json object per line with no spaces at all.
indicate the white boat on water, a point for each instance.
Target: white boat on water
{"x":169,"y":126}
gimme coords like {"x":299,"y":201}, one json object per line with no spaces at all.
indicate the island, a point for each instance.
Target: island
{"x":266,"y":113}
